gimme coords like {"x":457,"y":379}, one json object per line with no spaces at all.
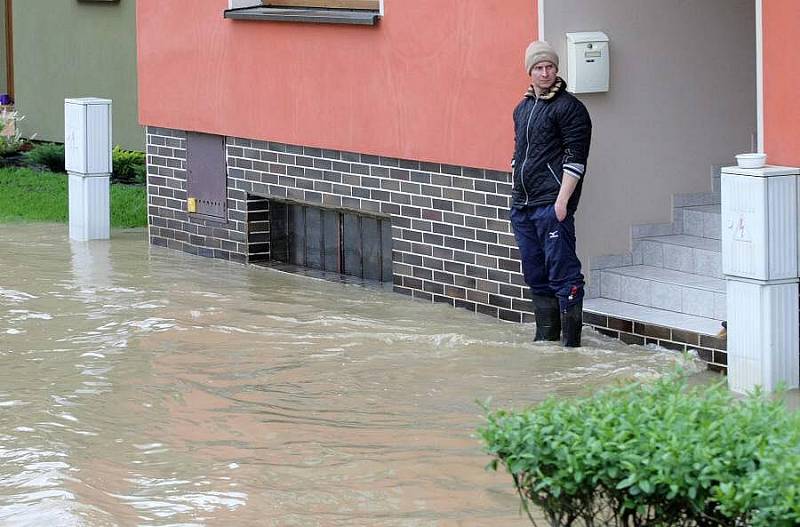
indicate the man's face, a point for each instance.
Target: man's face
{"x":543,"y":75}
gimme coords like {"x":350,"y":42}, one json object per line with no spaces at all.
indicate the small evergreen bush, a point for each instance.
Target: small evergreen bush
{"x":653,"y":454}
{"x":128,"y":166}
{"x":48,"y":155}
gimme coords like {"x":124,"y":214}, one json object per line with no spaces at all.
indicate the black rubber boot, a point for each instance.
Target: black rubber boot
{"x":571,"y":324}
{"x":548,"y":318}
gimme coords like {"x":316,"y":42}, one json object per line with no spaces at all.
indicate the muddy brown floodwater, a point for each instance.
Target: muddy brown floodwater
{"x":143,"y":386}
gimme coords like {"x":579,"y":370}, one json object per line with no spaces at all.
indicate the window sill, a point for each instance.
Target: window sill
{"x":308,"y":15}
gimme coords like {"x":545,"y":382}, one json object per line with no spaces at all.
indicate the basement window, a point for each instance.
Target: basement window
{"x":331,"y":240}
{"x":357,"y":12}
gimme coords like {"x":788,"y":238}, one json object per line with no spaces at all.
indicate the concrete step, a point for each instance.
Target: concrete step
{"x":652,"y":316}
{"x":704,"y":221}
{"x":680,"y":252}
{"x":666,"y":289}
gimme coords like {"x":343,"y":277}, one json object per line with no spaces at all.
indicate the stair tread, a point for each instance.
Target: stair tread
{"x":687,"y":240}
{"x":669,"y":276}
{"x":651,"y":315}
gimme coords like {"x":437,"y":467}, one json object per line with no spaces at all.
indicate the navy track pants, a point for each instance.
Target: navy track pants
{"x":550,"y":264}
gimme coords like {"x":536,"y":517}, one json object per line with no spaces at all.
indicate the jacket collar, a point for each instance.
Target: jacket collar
{"x":554,"y":90}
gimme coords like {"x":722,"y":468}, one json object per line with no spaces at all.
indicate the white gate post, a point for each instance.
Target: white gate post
{"x":87,"y":155}
{"x":760,"y":263}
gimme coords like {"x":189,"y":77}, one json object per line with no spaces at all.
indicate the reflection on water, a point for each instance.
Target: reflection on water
{"x":141,"y":386}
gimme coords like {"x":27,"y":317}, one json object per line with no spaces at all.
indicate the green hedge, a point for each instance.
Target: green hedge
{"x":128,"y":166}
{"x":653,"y":454}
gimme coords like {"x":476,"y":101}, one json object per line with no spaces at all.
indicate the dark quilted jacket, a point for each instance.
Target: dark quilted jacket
{"x":552,"y":135}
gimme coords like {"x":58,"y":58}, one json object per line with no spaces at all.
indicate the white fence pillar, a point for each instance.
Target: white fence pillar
{"x":760,"y":262}
{"x":87,"y":151}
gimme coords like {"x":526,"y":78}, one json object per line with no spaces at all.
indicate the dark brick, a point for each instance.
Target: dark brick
{"x":721,"y":357}
{"x":443,"y":300}
{"x":455,"y":243}
{"x":443,"y":253}
{"x":403,"y":199}
{"x":500,"y":301}
{"x":422,"y":201}
{"x":495,"y":175}
{"x":478,"y":248}
{"x":651,"y":330}
{"x":510,"y":316}
{"x":433,"y":287}
{"x":608,"y":333}
{"x":713,"y":342}
{"x":441,"y":228}
{"x":477,"y":272}
{"x":509,"y":265}
{"x":433,"y":215}
{"x":410,"y":188}
{"x":433,"y":263}
{"x":672,"y":345}
{"x":425,"y":274}
{"x":388,"y":161}
{"x":463,"y":304}
{"x":418,"y":177}
{"x":364,"y":170}
{"x":429,"y":190}
{"x":503,"y":202}
{"x":430,"y":167}
{"x":390,"y":184}
{"x":442,"y":204}
{"x":462,"y":182}
{"x":464,"y":208}
{"x":595,"y":319}
{"x":451,"y":169}
{"x":413,"y":283}
{"x":474,"y":197}
{"x":487,"y":310}
{"x":620,"y":324}
{"x":461,"y":256}
{"x":390,"y":208}
{"x":445,"y":278}
{"x":433,"y":239}
{"x":454,"y":219}
{"x":687,"y":337}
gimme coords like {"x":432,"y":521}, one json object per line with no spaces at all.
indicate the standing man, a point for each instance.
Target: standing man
{"x":552,"y":135}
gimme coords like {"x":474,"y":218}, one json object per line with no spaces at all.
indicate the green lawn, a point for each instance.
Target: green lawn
{"x":30,"y":195}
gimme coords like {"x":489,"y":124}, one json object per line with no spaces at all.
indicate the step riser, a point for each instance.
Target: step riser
{"x":679,"y":258}
{"x":670,"y":297}
{"x":701,"y":223}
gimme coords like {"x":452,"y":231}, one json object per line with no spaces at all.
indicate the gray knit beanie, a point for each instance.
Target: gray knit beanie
{"x":539,"y":51}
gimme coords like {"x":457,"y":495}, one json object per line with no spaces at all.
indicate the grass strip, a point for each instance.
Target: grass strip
{"x":30,"y":195}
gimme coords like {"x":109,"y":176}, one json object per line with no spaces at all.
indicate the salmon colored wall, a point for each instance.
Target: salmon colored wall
{"x":427,"y":83}
{"x":781,"y":19}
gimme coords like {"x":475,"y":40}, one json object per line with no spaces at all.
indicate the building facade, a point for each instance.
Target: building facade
{"x":387,"y":136}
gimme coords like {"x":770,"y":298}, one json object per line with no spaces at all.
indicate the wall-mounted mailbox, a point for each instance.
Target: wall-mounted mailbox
{"x":587,"y":62}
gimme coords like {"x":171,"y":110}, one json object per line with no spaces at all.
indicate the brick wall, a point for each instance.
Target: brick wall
{"x":452,"y":240}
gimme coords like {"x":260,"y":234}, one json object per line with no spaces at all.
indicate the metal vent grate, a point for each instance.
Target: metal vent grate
{"x":331,"y":240}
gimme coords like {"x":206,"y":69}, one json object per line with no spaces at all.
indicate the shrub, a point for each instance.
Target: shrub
{"x":128,"y":166}
{"x":48,"y":155}
{"x":653,"y":454}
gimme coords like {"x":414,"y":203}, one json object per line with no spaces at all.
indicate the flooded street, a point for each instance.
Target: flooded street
{"x":142,"y":386}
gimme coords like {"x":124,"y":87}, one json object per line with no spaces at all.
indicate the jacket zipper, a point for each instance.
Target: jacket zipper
{"x":527,"y":150}
{"x":554,"y":174}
